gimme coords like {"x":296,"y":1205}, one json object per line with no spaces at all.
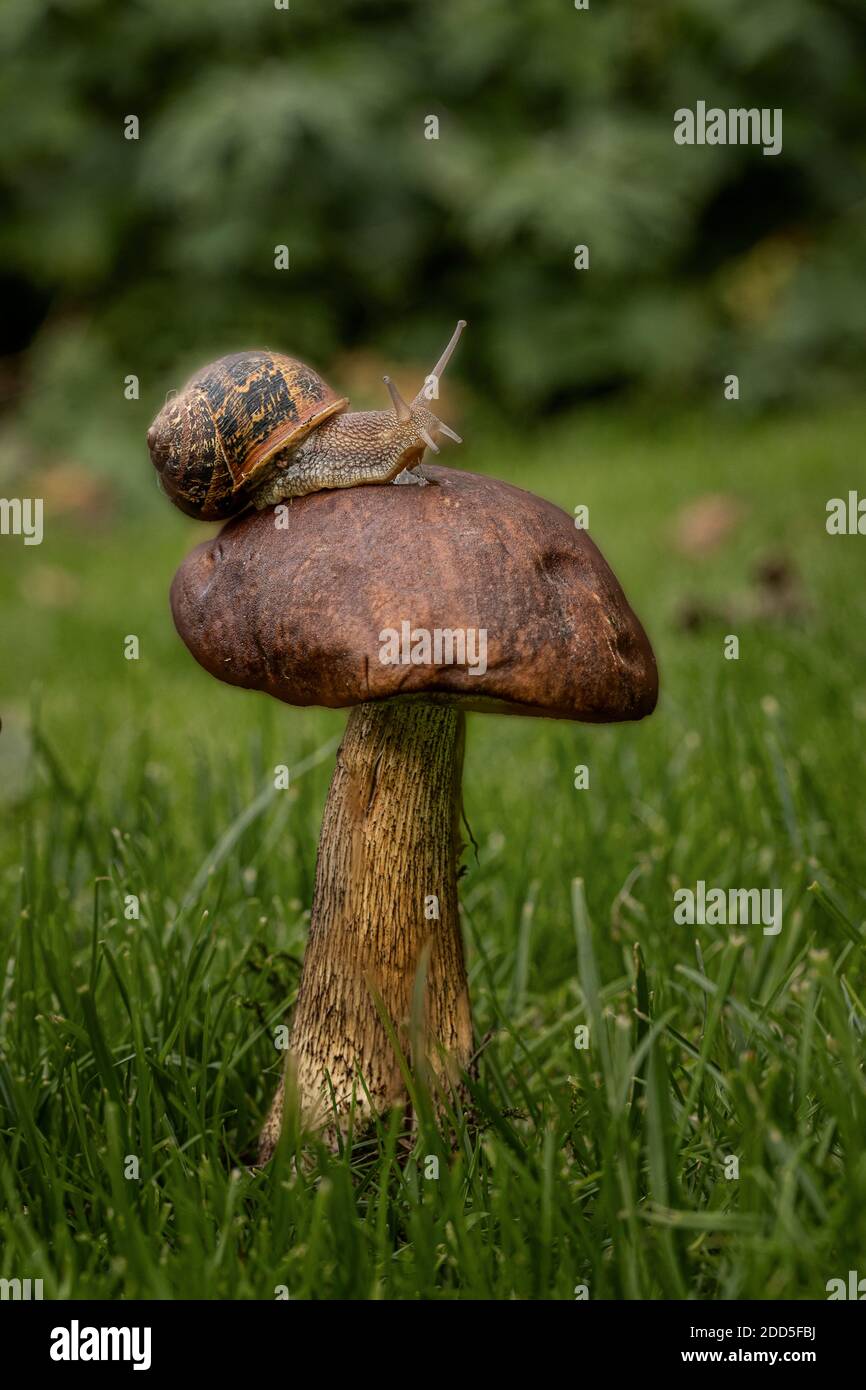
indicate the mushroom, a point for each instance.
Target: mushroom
{"x":325,"y":610}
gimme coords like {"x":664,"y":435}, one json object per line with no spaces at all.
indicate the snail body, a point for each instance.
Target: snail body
{"x":257,"y":427}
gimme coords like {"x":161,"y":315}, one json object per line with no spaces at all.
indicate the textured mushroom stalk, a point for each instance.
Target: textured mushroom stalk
{"x":385,"y":932}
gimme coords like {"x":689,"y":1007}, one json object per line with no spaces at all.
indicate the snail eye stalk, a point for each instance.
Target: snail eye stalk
{"x":402,"y":410}
{"x":446,"y":356}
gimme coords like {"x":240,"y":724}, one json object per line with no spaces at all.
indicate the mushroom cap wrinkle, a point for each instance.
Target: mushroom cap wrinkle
{"x":325,"y":601}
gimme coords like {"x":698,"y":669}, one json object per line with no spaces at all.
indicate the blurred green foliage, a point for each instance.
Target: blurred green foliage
{"x":305,"y":127}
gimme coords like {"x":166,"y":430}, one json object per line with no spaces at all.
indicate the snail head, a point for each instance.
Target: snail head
{"x":417,"y":421}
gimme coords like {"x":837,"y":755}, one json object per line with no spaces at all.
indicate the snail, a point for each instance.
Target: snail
{"x":255,"y":428}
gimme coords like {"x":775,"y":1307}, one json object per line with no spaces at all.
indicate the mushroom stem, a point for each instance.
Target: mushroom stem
{"x":384,"y":924}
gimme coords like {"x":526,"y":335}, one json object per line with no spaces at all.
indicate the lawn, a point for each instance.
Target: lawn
{"x":137,"y":1056}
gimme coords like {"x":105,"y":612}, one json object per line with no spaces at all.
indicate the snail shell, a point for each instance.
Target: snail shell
{"x":220,"y":437}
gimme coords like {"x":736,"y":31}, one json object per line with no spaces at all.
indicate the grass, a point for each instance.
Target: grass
{"x":605,"y":1167}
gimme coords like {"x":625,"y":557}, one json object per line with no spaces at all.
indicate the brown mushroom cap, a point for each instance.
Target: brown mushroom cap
{"x":298,"y":611}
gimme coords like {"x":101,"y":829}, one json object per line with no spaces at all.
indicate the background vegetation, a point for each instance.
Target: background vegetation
{"x":153,"y":1038}
{"x":306,"y":128}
